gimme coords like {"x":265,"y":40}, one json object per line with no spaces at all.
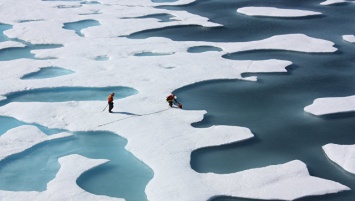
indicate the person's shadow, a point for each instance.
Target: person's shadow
{"x":127,"y":113}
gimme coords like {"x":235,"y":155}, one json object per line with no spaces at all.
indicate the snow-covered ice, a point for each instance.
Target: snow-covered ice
{"x":275,"y":12}
{"x":162,"y":138}
{"x":349,"y":38}
{"x":263,"y":183}
{"x":331,"y":2}
{"x":343,"y":155}
{"x":323,"y":106}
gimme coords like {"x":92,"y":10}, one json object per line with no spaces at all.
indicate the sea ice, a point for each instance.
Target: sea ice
{"x":349,"y":38}
{"x":330,"y":2}
{"x":343,"y":155}
{"x":263,"y":183}
{"x":322,"y":106}
{"x":275,"y":12}
{"x":161,"y":137}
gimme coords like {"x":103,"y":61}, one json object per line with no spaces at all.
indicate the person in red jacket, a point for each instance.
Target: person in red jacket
{"x":110,"y":102}
{"x":171,"y":99}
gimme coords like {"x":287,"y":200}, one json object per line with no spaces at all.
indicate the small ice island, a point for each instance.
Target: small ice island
{"x":343,"y":155}
{"x":275,"y":12}
{"x":323,"y":106}
{"x":331,"y":2}
{"x":349,"y":38}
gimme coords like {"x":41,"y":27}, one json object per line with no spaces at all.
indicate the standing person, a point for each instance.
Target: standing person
{"x":110,"y":102}
{"x":171,"y":99}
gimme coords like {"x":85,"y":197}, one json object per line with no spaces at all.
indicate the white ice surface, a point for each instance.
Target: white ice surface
{"x":349,"y":38}
{"x":162,"y":138}
{"x":331,"y":2}
{"x":275,"y":12}
{"x":292,"y":177}
{"x":343,"y":155}
{"x":63,"y":186}
{"x":10,"y":44}
{"x":323,"y":106}
{"x":21,"y":138}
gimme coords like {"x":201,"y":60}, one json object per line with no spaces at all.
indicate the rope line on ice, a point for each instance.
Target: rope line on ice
{"x":136,"y":115}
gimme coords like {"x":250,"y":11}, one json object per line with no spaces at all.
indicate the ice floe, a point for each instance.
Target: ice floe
{"x":263,"y":183}
{"x":323,"y":106}
{"x":275,"y":12}
{"x":331,"y":2}
{"x":343,"y":155}
{"x":349,"y":38}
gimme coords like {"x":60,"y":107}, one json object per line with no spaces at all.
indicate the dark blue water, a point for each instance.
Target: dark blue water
{"x":335,"y":21}
{"x":123,"y":176}
{"x":273,"y":107}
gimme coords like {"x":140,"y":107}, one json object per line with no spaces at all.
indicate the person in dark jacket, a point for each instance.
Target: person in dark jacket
{"x":110,"y":102}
